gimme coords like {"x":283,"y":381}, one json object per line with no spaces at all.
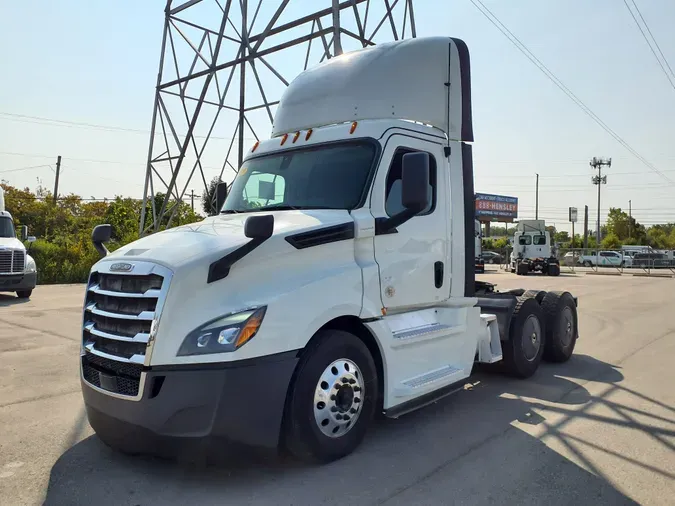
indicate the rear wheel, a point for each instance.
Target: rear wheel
{"x":562,"y":329}
{"x":24,"y":294}
{"x":537,"y":295}
{"x":522,"y":269}
{"x":333,"y":398}
{"x":553,"y":270}
{"x":525,"y":347}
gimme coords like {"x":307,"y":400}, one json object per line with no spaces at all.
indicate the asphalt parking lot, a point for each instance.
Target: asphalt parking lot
{"x":599,"y":429}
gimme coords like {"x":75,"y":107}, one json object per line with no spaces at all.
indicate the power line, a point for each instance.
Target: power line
{"x":24,"y":168}
{"x":530,"y":56}
{"x":40,"y":120}
{"x":644,"y":35}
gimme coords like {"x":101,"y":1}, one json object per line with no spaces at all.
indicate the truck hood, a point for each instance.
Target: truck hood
{"x":11,"y":243}
{"x":218,"y":236}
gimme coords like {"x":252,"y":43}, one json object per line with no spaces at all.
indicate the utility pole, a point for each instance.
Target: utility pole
{"x":536,"y":197}
{"x":630,"y":220}
{"x":585,"y":227}
{"x":56,"y":181}
{"x":192,"y":200}
{"x":597,"y":164}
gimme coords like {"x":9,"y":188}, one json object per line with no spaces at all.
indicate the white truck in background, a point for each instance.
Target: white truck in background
{"x":480,"y":262}
{"x":18,"y":272}
{"x":337,"y":281}
{"x":533,"y":249}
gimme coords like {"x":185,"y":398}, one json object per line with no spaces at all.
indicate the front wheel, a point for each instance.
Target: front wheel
{"x":24,"y":294}
{"x":333,"y":398}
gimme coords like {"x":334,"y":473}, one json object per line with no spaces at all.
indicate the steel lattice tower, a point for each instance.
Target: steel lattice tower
{"x":223,"y":66}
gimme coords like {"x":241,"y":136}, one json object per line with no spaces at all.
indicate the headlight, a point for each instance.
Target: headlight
{"x":224,"y":334}
{"x":30,"y":264}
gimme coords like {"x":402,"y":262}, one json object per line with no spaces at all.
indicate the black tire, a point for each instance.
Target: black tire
{"x":523,"y":351}
{"x":587,"y":264}
{"x":553,"y":270}
{"x":537,"y":295}
{"x":522,"y":269}
{"x":302,"y":435}
{"x":24,"y":294}
{"x":562,"y":326}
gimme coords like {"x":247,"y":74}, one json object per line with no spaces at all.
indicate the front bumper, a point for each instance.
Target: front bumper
{"x":14,"y":282}
{"x":181,"y":408}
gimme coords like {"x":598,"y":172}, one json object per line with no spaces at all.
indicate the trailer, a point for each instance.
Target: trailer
{"x":532,"y":250}
{"x":337,"y":282}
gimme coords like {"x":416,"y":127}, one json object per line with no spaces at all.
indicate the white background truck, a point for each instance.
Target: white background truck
{"x":337,"y":281}
{"x":18,"y":272}
{"x":532,"y":249}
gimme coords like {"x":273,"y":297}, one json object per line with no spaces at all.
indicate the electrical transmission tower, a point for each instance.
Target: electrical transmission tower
{"x":597,"y":164}
{"x":223,"y":66}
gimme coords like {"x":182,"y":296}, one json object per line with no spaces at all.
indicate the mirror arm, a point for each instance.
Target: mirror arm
{"x":101,"y":249}
{"x":388,"y":225}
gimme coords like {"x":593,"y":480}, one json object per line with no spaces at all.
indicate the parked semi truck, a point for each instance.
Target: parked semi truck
{"x":480,"y":262}
{"x":337,"y":281}
{"x":533,"y":249}
{"x":18,"y":272}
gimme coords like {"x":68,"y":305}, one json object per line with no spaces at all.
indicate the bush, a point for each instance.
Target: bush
{"x":64,"y":252}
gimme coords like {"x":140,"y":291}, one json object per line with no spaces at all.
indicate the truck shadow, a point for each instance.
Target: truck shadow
{"x":9,"y":299}
{"x":463,"y":449}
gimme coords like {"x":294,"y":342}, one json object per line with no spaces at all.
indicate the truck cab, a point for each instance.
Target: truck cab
{"x":18,"y":272}
{"x":337,"y":280}
{"x":533,"y":249}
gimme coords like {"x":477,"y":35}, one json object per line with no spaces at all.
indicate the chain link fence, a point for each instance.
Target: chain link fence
{"x":592,"y":260}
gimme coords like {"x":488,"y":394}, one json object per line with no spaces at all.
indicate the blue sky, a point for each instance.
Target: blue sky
{"x":96,"y":63}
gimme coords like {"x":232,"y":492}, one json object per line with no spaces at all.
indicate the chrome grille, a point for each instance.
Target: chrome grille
{"x":120,"y":312}
{"x":12,"y":261}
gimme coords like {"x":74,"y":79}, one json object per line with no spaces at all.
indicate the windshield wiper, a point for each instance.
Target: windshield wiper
{"x":230,"y":211}
{"x":286,"y":207}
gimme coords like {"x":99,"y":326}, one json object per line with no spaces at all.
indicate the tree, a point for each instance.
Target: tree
{"x":611,"y":241}
{"x":562,"y":237}
{"x":624,"y":226}
{"x":209,"y":197}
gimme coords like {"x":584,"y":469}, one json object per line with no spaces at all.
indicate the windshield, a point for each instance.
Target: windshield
{"x":327,"y":177}
{"x":6,"y":227}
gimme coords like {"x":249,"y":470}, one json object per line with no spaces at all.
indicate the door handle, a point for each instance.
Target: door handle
{"x":438,"y":274}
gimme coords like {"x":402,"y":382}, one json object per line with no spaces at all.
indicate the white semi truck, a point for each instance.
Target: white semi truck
{"x":480,"y":263}
{"x":18,"y":272}
{"x":336,"y":282}
{"x":533,"y":249}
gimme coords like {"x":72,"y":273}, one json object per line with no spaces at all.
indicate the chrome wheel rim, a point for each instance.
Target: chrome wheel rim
{"x":531,"y":337}
{"x":338,"y":398}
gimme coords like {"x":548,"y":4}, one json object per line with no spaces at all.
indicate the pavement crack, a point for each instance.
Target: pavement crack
{"x":38,"y":398}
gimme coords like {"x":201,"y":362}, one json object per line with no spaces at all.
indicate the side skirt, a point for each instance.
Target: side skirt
{"x":426,"y":399}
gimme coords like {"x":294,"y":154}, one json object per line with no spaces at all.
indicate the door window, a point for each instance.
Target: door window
{"x":394,"y":187}
{"x":539,"y":240}
{"x":525,"y":240}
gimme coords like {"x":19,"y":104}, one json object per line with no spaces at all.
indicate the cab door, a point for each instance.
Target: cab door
{"x":413,"y":259}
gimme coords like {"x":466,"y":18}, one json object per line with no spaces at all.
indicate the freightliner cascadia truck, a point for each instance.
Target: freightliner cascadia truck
{"x":337,"y":282}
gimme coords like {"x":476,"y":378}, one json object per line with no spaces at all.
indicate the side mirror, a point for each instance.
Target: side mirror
{"x":415,"y":179}
{"x":414,"y":192}
{"x":259,"y":227}
{"x":30,"y":239}
{"x":23,"y":232}
{"x":221,"y":194}
{"x":101,"y":234}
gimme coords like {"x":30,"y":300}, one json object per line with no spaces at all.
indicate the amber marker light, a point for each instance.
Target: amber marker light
{"x":295,"y":137}
{"x":351,"y":130}
{"x":255,"y":146}
{"x":284,"y":139}
{"x":309,"y":134}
